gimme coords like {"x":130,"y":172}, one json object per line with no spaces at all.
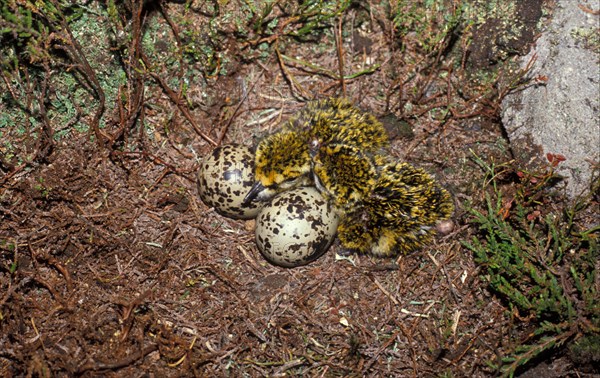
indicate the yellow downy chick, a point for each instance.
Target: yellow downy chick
{"x":338,"y":121}
{"x":398,"y":215}
{"x":283,"y":161}
{"x":343,"y":174}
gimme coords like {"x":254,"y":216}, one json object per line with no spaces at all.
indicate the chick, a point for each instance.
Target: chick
{"x":283,"y":160}
{"x":338,"y":121}
{"x":398,"y":215}
{"x":343,"y":174}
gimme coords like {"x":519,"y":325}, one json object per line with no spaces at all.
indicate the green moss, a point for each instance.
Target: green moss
{"x":589,"y":38}
{"x":429,"y":21}
{"x":586,"y":350}
{"x":70,"y":101}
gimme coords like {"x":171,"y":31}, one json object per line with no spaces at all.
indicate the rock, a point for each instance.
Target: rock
{"x":559,"y":113}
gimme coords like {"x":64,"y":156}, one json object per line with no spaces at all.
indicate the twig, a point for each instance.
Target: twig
{"x":75,"y":51}
{"x":242,"y":100}
{"x":99,"y":365}
{"x":315,"y":69}
{"x":387,"y":293}
{"x":340,"y":53}
{"x":251,"y":260}
{"x":441,"y":267}
{"x":290,"y":78}
{"x":156,"y":160}
{"x":588,"y":10}
{"x":177,"y":100}
{"x":381,"y":349}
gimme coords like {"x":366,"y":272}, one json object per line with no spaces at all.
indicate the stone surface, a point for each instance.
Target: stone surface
{"x":560,"y":112}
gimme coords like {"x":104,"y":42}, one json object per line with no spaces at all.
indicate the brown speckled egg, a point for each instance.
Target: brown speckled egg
{"x":224,"y":179}
{"x":295,"y":227}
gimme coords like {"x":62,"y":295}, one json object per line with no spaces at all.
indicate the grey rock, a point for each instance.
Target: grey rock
{"x":560,"y":114}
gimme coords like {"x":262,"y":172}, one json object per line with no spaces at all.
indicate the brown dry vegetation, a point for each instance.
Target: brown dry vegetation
{"x":112,"y":266}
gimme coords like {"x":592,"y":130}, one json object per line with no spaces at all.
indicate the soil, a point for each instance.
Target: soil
{"x":112,"y":266}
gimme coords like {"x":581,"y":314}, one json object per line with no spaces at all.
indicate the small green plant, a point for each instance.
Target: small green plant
{"x":42,"y":188}
{"x":537,"y":261}
{"x":430,"y":20}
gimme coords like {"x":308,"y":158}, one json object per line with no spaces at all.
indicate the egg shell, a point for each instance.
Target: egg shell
{"x":296,"y":227}
{"x":224,"y":179}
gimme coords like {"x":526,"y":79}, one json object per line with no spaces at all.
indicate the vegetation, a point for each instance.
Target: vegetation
{"x":540,"y":263}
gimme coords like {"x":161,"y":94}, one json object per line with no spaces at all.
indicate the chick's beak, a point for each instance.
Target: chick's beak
{"x":256,"y":188}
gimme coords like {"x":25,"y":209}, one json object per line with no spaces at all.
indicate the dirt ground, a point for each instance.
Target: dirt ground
{"x":112,"y":266}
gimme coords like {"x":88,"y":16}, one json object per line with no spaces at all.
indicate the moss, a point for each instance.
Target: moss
{"x":588,"y":38}
{"x":500,"y":29}
{"x":586,"y":351}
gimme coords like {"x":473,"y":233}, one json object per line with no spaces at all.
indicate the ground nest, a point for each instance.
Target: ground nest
{"x":112,"y":266}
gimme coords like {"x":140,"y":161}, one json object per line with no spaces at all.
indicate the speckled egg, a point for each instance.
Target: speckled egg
{"x":224,"y":179}
{"x":295,"y":227}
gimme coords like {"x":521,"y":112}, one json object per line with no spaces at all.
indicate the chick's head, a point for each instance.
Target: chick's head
{"x":281,"y":162}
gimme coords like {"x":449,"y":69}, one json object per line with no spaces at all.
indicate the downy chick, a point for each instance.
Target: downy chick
{"x":399,"y":215}
{"x":283,"y":160}
{"x":343,"y":174}
{"x":337,"y":121}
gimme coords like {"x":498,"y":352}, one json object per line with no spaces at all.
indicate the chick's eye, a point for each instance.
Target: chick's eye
{"x":289,"y":179}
